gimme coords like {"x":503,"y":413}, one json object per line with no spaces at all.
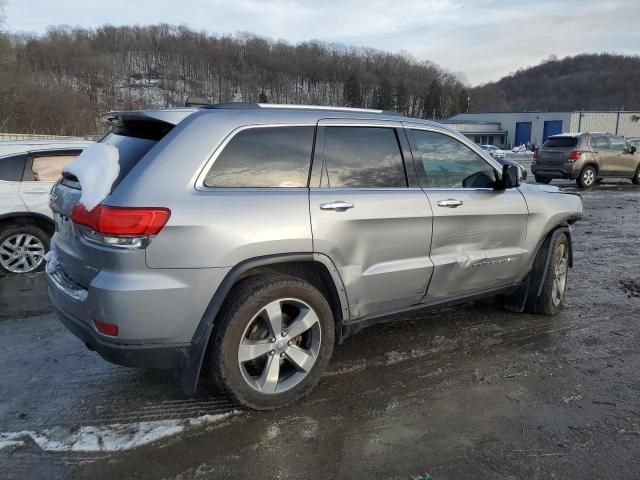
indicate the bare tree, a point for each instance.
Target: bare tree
{"x":160,"y":65}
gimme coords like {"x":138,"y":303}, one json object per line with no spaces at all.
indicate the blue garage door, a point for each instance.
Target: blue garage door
{"x":523,"y":133}
{"x":551,"y":127}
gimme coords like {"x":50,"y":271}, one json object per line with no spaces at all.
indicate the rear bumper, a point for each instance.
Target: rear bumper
{"x":157,"y":312}
{"x":140,"y":356}
{"x":566,"y":170}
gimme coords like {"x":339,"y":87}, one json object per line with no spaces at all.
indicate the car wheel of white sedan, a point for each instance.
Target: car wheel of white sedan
{"x":22,"y":249}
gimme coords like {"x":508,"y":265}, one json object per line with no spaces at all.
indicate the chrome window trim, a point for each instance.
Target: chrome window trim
{"x":366,"y":189}
{"x":357,"y":122}
{"x":199,"y":185}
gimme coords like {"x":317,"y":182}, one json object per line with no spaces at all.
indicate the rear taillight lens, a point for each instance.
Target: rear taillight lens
{"x":122,"y":221}
{"x":573,"y":156}
{"x":536,"y":155}
{"x":120,"y":227}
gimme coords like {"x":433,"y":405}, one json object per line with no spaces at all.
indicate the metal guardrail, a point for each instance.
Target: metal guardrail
{"x":30,"y":136}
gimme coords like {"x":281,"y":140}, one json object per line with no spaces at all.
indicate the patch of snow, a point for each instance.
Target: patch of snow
{"x":96,"y":168}
{"x":9,"y":442}
{"x":107,"y":438}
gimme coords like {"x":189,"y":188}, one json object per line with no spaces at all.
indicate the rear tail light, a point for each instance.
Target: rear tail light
{"x":536,"y":155}
{"x":120,"y":226}
{"x":105,"y":328}
{"x":574,"y":155}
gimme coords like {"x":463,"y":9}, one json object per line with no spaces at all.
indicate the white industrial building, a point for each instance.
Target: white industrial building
{"x":508,"y":129}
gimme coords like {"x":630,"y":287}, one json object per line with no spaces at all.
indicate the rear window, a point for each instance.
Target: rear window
{"x":131,"y":150}
{"x":561,"y":142}
{"x":264,"y":157}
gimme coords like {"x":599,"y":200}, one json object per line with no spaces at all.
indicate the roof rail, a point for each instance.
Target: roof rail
{"x":232,"y":105}
{"x":280,"y":106}
{"x":193,"y":101}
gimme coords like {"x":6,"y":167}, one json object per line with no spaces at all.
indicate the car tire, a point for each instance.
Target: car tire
{"x":545,"y":180}
{"x":247,"y":345}
{"x":636,"y":177}
{"x":587,"y":177}
{"x":22,"y":249}
{"x":554,"y":284}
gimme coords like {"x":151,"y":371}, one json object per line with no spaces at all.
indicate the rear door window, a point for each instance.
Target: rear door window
{"x":264,"y":157}
{"x":362,"y":157}
{"x":47,"y":167}
{"x":561,"y":142}
{"x":12,"y":168}
{"x":444,"y":162}
{"x":599,"y":143}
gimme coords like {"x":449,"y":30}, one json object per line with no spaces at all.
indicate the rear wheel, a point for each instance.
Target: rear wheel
{"x":587,"y":177}
{"x":274,"y":341}
{"x":22,"y":249}
{"x":636,"y":176}
{"x":544,"y":180}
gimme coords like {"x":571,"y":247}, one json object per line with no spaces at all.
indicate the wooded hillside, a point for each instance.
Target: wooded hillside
{"x":583,"y":82}
{"x":58,"y":82}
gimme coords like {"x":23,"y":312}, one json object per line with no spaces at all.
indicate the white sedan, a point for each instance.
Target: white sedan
{"x":494,"y":151}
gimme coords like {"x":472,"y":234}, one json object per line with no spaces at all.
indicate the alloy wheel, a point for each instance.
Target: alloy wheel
{"x":560,"y":275}
{"x":588,"y":177}
{"x":21,"y":253}
{"x":279,"y":346}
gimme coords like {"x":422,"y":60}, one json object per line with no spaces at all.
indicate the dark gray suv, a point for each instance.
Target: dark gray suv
{"x":251,"y":238}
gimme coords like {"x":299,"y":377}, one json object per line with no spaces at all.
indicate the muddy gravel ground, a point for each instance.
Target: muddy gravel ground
{"x":465,"y":393}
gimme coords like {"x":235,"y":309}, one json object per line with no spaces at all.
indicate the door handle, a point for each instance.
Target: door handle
{"x":338,"y":205}
{"x":449,"y":202}
{"x":35,"y":191}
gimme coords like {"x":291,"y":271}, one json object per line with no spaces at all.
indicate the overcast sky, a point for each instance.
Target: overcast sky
{"x":482,"y":40}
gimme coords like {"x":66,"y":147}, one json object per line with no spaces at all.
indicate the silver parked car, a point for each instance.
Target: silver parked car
{"x":28,"y":170}
{"x":251,"y":238}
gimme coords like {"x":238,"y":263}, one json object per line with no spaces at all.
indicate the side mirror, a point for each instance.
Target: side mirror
{"x":510,"y":176}
{"x":633,"y":149}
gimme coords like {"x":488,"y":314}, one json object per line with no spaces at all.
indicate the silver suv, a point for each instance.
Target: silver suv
{"x":249,"y":239}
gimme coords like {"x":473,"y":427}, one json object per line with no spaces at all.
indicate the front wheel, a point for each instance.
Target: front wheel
{"x":554,"y":284}
{"x":274,"y":341}
{"x":636,"y":176}
{"x":587,"y":177}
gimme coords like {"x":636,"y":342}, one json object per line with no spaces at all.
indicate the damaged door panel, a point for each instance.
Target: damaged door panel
{"x":479,"y":232}
{"x":364,"y":216}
